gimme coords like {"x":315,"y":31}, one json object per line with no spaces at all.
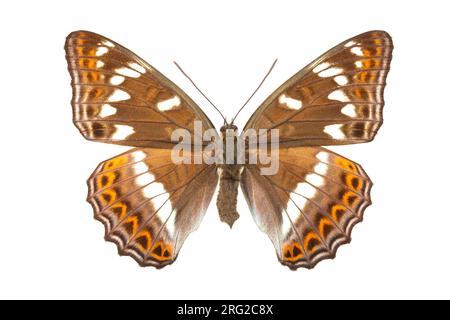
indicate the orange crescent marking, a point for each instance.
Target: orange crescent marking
{"x":322,"y":224}
{"x":378,"y":42}
{"x":309,"y":237}
{"x":144,"y":234}
{"x":337,"y":209}
{"x":91,"y":76}
{"x":97,"y":92}
{"x":373,"y":76}
{"x":106,"y":179}
{"x":87,"y":62}
{"x":166,"y":251}
{"x":123,"y":209}
{"x":347,"y":196}
{"x":115,"y":162}
{"x":362,"y":77}
{"x":134,"y":222}
{"x":349,"y":180}
{"x":108,"y":196}
{"x":346,"y":164}
{"x":379,"y":51}
{"x":289,"y":254}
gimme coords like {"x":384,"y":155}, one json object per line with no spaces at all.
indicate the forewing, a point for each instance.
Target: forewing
{"x":337,"y":99}
{"x":148,"y":204}
{"x":309,"y":207}
{"x":119,"y":98}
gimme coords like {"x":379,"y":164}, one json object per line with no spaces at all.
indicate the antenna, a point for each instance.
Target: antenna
{"x":265,"y":77}
{"x":193,"y":83}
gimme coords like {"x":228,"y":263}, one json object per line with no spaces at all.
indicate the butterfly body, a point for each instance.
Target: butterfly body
{"x":230,"y":175}
{"x":149,"y":203}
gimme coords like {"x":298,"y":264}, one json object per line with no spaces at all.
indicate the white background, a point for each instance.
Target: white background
{"x":50,"y":246}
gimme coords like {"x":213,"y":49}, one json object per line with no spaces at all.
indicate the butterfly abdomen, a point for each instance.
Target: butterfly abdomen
{"x":228,"y":191}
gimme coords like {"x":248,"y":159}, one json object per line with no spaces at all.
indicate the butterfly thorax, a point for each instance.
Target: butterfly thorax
{"x":229,"y":176}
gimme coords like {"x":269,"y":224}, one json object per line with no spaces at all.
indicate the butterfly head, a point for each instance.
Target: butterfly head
{"x":228,"y":128}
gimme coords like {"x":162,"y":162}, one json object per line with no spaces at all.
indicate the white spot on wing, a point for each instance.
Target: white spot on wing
{"x":165,"y":213}
{"x":291,"y":103}
{"x":139,"y":168}
{"x":128,"y":72}
{"x":341,"y":80}
{"x":335,"y":131}
{"x":143,"y":179}
{"x":303,"y":193}
{"x":323,"y":156}
{"x":138,"y":156}
{"x":349,"y":110}
{"x":119,"y":95}
{"x":101,"y":51}
{"x":99,"y":64}
{"x":116,"y":80}
{"x":160,"y":201}
{"x":357,"y":51}
{"x":122,"y":131}
{"x":152,"y":188}
{"x":137,"y":67}
{"x":108,"y":43}
{"x":338,"y":95}
{"x":286,"y":225}
{"x":294,"y":205}
{"x":321,"y":168}
{"x":315,"y":179}
{"x":330,"y":72}
{"x":349,"y":44}
{"x":107,"y":110}
{"x":155,"y":191}
{"x":321,"y":67}
{"x":169,"y":104}
{"x":358,"y":64}
{"x":306,"y":190}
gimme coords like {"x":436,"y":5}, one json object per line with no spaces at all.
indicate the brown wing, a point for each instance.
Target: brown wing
{"x":310,"y":206}
{"x":148,"y":204}
{"x":337,"y":99}
{"x":119,"y":98}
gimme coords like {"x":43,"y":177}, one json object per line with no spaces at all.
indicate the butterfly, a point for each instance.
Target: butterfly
{"x":149,"y":204}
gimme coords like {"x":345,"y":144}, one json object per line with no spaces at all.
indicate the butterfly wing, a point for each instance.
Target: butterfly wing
{"x":309,"y":207}
{"x":337,"y":99}
{"x":148,"y":204}
{"x":119,"y":98}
